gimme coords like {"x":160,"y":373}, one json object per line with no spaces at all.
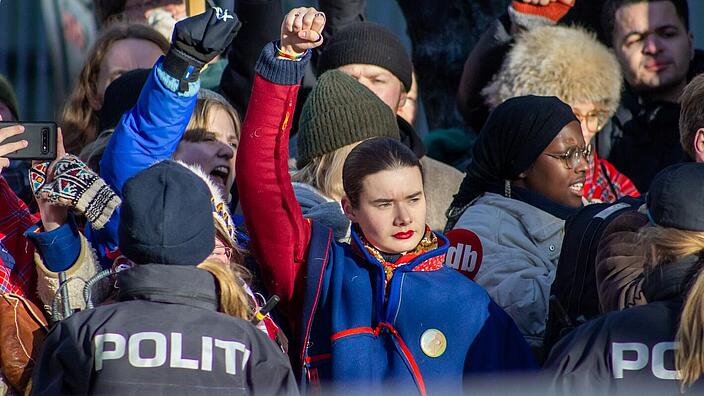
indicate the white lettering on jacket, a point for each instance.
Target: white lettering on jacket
{"x":619,"y":363}
{"x":113,"y":346}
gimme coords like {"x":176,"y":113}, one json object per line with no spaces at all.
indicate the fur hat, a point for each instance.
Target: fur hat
{"x":567,"y":62}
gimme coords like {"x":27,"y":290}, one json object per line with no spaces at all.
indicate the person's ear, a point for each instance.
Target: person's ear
{"x":349,"y":210}
{"x":402,"y":100}
{"x":699,"y":145}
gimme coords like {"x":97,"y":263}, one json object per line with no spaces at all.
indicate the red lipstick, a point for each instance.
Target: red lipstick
{"x":404,"y":235}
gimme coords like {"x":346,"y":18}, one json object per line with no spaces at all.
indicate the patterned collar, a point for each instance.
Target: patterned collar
{"x":426,"y":244}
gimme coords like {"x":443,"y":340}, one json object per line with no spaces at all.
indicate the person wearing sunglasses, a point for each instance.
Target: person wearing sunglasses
{"x":525,"y":178}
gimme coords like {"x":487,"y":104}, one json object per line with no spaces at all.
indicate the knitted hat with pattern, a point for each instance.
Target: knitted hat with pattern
{"x":340,"y":111}
{"x":371,"y":44}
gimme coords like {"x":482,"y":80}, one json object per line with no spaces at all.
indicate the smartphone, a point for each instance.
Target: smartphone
{"x":41,"y":137}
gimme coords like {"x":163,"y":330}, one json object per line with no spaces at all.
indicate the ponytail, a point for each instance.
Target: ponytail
{"x":664,"y":245}
{"x":689,"y":356}
{"x":234,"y":300}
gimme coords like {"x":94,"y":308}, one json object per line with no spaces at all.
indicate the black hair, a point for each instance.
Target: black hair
{"x":608,"y":14}
{"x":373,"y":156}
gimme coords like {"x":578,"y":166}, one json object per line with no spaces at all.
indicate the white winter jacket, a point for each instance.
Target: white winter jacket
{"x":521,"y":247}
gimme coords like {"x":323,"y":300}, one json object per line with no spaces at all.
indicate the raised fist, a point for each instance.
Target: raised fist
{"x":301,"y":30}
{"x":198,"y":40}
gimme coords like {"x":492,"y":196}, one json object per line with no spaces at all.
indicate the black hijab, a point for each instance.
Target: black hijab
{"x":515,"y":134}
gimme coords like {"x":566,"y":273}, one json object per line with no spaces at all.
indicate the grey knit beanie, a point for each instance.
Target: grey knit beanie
{"x":340,"y":111}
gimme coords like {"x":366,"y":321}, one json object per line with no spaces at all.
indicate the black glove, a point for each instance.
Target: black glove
{"x":198,"y":40}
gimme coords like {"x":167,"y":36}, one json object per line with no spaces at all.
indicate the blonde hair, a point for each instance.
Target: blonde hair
{"x":325,"y":172}
{"x":664,"y":245}
{"x":233,"y":298}
{"x":208,"y":101}
{"x":79,"y":121}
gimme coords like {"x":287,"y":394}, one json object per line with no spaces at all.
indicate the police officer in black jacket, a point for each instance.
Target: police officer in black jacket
{"x":634,"y":351}
{"x":165,"y":335}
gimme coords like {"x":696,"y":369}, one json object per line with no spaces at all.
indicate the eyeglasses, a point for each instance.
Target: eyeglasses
{"x":594,"y":121}
{"x":572,"y":156}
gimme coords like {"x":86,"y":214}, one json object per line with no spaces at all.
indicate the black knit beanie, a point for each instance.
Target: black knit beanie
{"x":340,"y":111}
{"x":167,"y":217}
{"x":367,"y":43}
{"x":120,"y":96}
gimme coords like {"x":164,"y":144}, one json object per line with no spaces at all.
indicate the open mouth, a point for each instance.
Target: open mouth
{"x":577,"y":188}
{"x":220,"y":174}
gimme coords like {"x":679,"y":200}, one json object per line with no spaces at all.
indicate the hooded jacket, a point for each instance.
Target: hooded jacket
{"x":136,"y":347}
{"x":352,"y":333}
{"x":521,"y":246}
{"x":630,"y":351}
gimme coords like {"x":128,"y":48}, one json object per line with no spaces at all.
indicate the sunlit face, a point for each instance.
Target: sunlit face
{"x":380,"y":81}
{"x":217,"y":153}
{"x":123,"y":56}
{"x":591,"y":119}
{"x":551,"y":177}
{"x":409,"y":110}
{"x":391,"y":210}
{"x":653,"y":46}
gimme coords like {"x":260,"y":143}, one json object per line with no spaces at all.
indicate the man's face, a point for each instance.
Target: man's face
{"x":653,"y":47}
{"x":380,"y":81}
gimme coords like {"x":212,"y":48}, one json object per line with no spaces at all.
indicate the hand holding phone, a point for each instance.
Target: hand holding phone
{"x":39,"y":141}
{"x":8,"y":146}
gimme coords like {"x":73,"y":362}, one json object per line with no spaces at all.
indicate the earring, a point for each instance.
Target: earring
{"x":507,"y":189}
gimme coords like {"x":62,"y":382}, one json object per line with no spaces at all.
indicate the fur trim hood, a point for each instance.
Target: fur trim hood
{"x":567,"y":62}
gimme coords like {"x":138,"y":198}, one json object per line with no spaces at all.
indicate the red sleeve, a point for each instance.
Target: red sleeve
{"x":279,"y":233}
{"x":17,"y":273}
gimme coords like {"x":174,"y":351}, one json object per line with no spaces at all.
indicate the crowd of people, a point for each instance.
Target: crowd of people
{"x":240,"y":203}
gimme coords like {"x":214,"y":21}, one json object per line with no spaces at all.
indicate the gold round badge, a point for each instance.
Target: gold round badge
{"x":433,"y":342}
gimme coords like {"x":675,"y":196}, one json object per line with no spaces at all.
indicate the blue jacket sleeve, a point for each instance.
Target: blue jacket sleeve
{"x":499,"y":346}
{"x":148,"y":133}
{"x":59,"y":248}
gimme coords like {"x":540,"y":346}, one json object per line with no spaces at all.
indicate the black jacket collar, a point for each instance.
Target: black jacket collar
{"x":671,"y":280}
{"x":410,"y":138}
{"x":173,"y":284}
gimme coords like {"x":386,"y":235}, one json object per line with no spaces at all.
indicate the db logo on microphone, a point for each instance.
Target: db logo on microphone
{"x":465,"y":252}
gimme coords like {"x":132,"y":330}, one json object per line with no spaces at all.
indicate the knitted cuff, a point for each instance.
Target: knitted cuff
{"x":281,"y":71}
{"x":76,"y":186}
{"x":173,"y":84}
{"x":182,"y":67}
{"x":529,"y":16}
